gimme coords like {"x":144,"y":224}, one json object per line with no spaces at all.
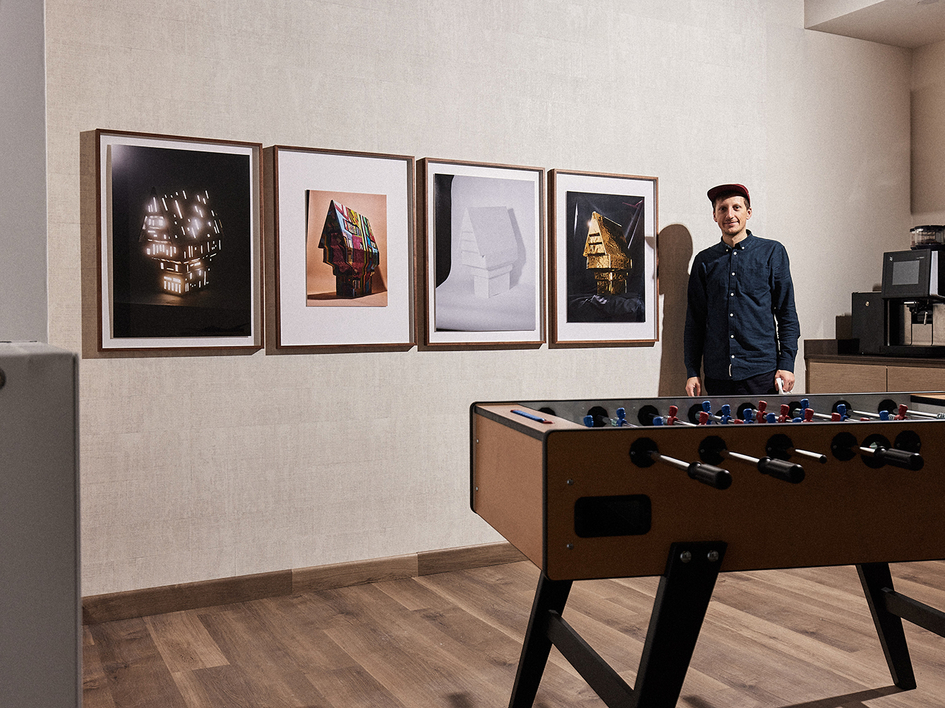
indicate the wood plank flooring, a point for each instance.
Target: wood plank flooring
{"x":798,"y":638}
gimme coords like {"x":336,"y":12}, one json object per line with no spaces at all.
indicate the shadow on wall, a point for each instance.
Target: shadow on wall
{"x":675,"y":251}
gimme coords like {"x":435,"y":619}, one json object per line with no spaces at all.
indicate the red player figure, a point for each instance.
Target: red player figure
{"x":760,"y":416}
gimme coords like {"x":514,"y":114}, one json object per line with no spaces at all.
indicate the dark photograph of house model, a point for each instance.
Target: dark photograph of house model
{"x":181,"y":243}
{"x":605,"y":251}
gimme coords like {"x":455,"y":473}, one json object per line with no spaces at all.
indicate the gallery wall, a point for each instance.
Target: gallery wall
{"x":22,"y":173}
{"x":203,"y":467}
{"x":928,"y":125}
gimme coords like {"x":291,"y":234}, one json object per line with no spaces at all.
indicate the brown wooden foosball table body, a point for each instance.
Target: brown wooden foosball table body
{"x":649,"y":491}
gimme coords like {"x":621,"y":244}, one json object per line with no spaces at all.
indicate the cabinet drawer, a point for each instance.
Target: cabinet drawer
{"x":825,"y":377}
{"x":913,"y":378}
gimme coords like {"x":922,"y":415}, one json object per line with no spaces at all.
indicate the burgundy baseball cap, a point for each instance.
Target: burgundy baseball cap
{"x":729,"y":190}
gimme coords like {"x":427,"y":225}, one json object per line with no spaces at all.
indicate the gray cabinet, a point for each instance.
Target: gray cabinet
{"x":40,"y":649}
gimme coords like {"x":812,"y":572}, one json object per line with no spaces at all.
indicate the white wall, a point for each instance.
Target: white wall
{"x":22,"y":172}
{"x":195,"y":468}
{"x":928,"y":126}
{"x":838,"y":149}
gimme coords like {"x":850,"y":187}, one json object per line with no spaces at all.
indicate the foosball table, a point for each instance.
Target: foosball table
{"x":687,"y":488}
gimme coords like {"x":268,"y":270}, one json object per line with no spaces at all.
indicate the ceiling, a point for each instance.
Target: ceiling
{"x":901,"y":23}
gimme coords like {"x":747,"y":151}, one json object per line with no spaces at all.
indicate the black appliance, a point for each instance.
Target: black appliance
{"x":914,"y":303}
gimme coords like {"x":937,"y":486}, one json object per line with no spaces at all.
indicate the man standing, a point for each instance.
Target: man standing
{"x":741,"y":325}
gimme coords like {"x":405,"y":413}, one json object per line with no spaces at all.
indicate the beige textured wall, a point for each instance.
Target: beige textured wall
{"x":195,"y":468}
{"x":928,"y":126}
{"x":22,"y":173}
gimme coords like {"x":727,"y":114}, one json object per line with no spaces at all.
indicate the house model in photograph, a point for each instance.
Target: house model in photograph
{"x":605,"y":250}
{"x":489,"y":249}
{"x":350,"y":250}
{"x":182,"y":234}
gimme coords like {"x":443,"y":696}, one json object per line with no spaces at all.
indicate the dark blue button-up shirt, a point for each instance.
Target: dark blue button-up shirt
{"x":741,"y":320}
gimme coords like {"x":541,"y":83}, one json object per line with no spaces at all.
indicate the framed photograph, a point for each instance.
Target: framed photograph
{"x":483,"y":255}
{"x":603,"y":254}
{"x":179,"y":247}
{"x":342,"y":228}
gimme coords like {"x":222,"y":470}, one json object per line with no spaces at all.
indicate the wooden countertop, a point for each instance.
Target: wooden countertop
{"x":830,"y":350}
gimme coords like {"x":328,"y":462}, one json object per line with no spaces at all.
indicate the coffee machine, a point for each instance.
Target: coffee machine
{"x":912,"y":302}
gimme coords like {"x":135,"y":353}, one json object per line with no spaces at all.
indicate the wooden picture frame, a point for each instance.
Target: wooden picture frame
{"x":178,"y":245}
{"x":482,"y":256}
{"x":604,"y":288}
{"x":341,"y":240}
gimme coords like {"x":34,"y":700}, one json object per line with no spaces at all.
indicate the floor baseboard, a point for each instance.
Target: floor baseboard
{"x":222,"y":591}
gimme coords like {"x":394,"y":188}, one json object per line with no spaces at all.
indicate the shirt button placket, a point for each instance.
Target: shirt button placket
{"x":731,"y":308}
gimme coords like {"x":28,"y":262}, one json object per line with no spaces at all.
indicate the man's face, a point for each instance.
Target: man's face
{"x":732,"y":214}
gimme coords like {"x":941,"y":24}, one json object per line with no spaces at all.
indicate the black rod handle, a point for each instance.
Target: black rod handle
{"x":895,"y":457}
{"x":781,"y":469}
{"x":710,"y":474}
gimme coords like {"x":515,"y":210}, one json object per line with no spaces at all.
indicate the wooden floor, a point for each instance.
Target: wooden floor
{"x":792,"y":639}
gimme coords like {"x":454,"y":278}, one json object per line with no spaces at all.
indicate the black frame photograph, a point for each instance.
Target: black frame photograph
{"x":604,"y":289}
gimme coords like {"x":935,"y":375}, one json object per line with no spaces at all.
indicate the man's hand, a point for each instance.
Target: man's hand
{"x":787,"y":379}
{"x":694,"y":386}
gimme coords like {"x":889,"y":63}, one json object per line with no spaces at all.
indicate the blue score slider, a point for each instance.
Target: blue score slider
{"x":530,"y":416}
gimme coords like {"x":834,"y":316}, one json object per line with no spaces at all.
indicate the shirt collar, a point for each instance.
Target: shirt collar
{"x":741,"y":245}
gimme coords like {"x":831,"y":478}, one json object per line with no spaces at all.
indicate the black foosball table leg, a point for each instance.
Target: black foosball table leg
{"x":681,"y":602}
{"x":875,"y":577}
{"x":682,"y":599}
{"x":550,"y":596}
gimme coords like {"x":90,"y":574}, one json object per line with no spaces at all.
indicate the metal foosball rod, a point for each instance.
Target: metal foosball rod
{"x":781,"y":447}
{"x":904,"y":414}
{"x":895,"y":457}
{"x":672,"y":418}
{"x":779,"y":469}
{"x":713,"y":451}
{"x":784,"y":414}
{"x":644,"y":453}
{"x":871,"y":416}
{"x":843,"y":413}
{"x":840,"y":414}
{"x":706,"y":416}
{"x":699,"y":471}
{"x":596,"y":419}
{"x":819,"y":457}
{"x":925,"y":414}
{"x":761,"y":414}
{"x":875,"y":452}
{"x":724,"y":417}
{"x":884,"y":414}
{"x":751,"y":414}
